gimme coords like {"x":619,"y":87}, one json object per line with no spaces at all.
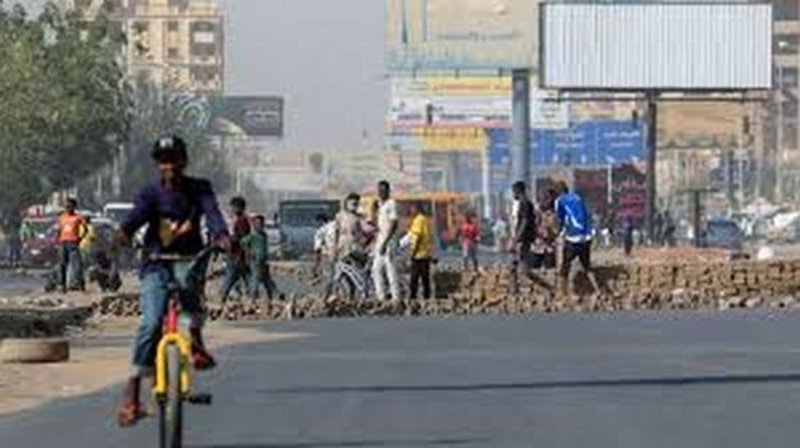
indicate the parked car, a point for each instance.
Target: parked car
{"x":723,"y":234}
{"x":297,"y":224}
{"x":38,"y":241}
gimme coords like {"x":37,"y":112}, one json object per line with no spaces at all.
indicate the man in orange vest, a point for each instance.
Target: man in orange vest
{"x":71,"y":229}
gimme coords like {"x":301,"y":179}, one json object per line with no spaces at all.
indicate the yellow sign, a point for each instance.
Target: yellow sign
{"x":458,"y":139}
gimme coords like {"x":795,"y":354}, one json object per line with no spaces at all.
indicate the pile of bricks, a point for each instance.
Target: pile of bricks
{"x":707,"y":286}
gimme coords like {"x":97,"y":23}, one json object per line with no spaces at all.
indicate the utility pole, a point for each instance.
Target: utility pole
{"x":521,"y":127}
{"x":651,"y":98}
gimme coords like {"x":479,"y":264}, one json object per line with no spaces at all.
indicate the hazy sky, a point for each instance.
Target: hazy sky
{"x":324,"y":56}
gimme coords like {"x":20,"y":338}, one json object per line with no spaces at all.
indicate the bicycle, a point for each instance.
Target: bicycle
{"x":172,"y":383}
{"x":352,"y":278}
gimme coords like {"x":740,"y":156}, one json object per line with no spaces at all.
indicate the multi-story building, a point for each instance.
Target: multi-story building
{"x":785,"y":112}
{"x":174,"y":44}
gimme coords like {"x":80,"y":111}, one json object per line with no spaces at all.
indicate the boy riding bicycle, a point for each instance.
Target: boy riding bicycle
{"x":172,"y":209}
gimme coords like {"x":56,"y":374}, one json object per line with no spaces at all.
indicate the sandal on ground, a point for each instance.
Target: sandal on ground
{"x":129,"y":414}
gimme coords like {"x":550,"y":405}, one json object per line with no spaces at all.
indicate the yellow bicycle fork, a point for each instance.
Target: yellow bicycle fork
{"x":184,"y":346}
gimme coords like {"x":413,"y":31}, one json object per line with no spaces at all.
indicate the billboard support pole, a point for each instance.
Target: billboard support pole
{"x":521,"y":127}
{"x":486,"y":165}
{"x":652,"y":148}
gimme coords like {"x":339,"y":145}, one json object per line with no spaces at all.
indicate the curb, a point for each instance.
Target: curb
{"x":24,"y":351}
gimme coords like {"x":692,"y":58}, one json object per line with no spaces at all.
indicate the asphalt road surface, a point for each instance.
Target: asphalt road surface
{"x":616,"y":381}
{"x":13,"y":283}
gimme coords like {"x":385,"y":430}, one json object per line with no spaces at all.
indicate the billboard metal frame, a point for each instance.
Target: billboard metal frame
{"x":651,"y":98}
{"x":541,"y":53}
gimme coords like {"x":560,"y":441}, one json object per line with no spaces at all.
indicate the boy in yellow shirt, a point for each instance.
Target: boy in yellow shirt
{"x":421,"y":251}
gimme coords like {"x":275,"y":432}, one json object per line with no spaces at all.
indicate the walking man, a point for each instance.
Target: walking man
{"x":576,"y":222}
{"x":71,"y":229}
{"x":236,"y":264}
{"x":383,"y":265}
{"x":523,"y":233}
{"x":256,"y":248}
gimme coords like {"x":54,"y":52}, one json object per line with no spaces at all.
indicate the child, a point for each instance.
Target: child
{"x":256,"y":249}
{"x":470,"y":234}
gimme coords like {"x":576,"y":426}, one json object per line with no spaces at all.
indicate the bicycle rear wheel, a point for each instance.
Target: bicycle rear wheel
{"x":172,"y":404}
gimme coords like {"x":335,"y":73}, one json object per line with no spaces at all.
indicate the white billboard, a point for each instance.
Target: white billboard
{"x":460,"y":34}
{"x":658,"y":46}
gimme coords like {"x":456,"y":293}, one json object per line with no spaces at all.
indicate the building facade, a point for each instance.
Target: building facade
{"x":784,"y":111}
{"x":174,"y":44}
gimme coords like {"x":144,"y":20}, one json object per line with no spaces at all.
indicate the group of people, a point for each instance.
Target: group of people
{"x":535,"y":231}
{"x":248,"y":259}
{"x":355,"y":236}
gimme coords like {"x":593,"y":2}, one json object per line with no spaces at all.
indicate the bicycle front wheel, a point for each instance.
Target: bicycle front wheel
{"x":172,"y":404}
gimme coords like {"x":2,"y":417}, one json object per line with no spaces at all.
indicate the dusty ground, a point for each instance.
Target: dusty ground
{"x":99,"y":358}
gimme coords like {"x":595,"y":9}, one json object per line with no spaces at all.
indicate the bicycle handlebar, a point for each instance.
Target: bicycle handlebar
{"x":184,"y":258}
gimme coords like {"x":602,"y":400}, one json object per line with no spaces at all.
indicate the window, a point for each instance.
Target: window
{"x":172,"y":26}
{"x":784,"y":44}
{"x":204,"y":50}
{"x":786,"y":10}
{"x":205,"y":74}
{"x":173,"y":53}
{"x":787,"y":77}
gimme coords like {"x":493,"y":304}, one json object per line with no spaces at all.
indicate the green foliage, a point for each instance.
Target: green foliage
{"x":155,"y":116}
{"x":65,"y":105}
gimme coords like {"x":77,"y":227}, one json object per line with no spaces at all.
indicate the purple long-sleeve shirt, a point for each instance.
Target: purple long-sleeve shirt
{"x":158,"y":207}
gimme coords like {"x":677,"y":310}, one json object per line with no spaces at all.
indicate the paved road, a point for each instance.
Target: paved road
{"x":633,"y":381}
{"x":12,"y":283}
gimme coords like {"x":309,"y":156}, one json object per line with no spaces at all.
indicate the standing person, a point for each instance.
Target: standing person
{"x":171,"y":209}
{"x":324,"y":251}
{"x":88,"y":241}
{"x":470,"y":235}
{"x":322,"y":241}
{"x":576,"y":222}
{"x":71,"y":227}
{"x":669,"y":229}
{"x":256,"y":248}
{"x":500,"y":231}
{"x":421,"y":251}
{"x":236,"y":265}
{"x":544,"y":245}
{"x":14,"y":239}
{"x":383,"y":264}
{"x":523,"y":233}
{"x":349,"y":233}
{"x":628,"y":235}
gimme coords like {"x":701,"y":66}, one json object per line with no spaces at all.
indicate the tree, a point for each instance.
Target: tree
{"x":66,"y":106}
{"x":156,"y":114}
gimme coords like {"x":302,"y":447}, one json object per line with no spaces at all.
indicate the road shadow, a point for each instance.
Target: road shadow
{"x":352,"y":444}
{"x":546,"y":385}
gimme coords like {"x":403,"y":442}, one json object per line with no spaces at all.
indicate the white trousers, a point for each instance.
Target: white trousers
{"x":383,"y":268}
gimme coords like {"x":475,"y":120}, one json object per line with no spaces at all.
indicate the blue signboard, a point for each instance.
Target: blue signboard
{"x":590,"y":143}
{"x":585,"y":144}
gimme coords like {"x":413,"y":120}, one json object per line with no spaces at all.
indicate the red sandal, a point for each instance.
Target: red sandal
{"x":129,"y":414}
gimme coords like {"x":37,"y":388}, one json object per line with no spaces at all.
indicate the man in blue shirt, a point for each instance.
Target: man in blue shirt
{"x":172,"y":209}
{"x":576,"y":224}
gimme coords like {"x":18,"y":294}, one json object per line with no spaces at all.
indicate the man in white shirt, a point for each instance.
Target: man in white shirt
{"x":383,"y":266}
{"x":324,"y":251}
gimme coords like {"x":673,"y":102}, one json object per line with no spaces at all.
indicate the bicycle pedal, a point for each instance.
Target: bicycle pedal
{"x":200,"y":399}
